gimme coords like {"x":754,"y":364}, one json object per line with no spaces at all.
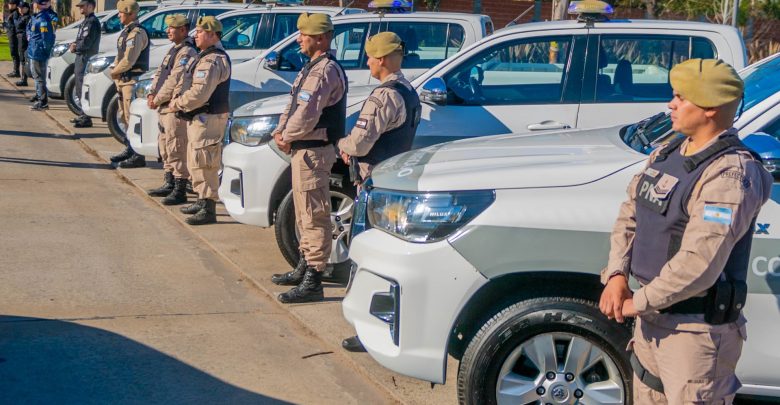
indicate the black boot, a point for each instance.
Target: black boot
{"x":39,"y":106}
{"x":13,"y":74}
{"x":193,"y":208}
{"x":83,"y":121}
{"x":206,"y":215}
{"x":34,"y":99}
{"x":189,"y":188}
{"x":309,"y":290}
{"x":123,"y":155}
{"x":178,"y":195}
{"x":22,"y":83}
{"x":133,"y":161}
{"x":165,"y":189}
{"x":292,"y":277}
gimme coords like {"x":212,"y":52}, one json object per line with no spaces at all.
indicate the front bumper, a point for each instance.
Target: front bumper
{"x":55,"y":82}
{"x":93,"y":93}
{"x":249,"y":175}
{"x":435,"y":283}
{"x":143,"y":129}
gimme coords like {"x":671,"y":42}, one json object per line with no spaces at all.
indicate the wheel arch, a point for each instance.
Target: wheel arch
{"x":106,"y":101}
{"x":66,"y":76}
{"x":281,"y":188}
{"x":507,"y":289}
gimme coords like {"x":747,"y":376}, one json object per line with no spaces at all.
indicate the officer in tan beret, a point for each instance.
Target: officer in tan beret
{"x":308,"y":130}
{"x":202,"y":100}
{"x":172,"y":140}
{"x":132,"y":60}
{"x":389,"y":118}
{"x":685,"y":234}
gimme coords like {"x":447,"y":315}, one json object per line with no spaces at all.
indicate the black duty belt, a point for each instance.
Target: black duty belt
{"x":295,"y":145}
{"x":645,"y":376}
{"x":693,"y":305}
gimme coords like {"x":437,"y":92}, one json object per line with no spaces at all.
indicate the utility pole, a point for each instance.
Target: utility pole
{"x":735,"y":13}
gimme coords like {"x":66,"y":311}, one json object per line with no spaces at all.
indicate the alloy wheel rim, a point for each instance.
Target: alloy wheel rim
{"x":559,"y":368}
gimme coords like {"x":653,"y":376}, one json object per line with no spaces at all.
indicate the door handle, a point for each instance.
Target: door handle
{"x":544,"y":125}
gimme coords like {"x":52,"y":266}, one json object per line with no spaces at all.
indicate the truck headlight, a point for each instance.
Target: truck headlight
{"x":98,"y":64}
{"x":425,"y":217}
{"x":142,"y":88}
{"x":253,"y":131}
{"x":60,"y":49}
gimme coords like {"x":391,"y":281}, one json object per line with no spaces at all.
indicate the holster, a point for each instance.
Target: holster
{"x":189,"y":115}
{"x":725,"y":301}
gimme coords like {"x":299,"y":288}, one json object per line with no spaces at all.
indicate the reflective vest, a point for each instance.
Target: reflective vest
{"x":397,"y":140}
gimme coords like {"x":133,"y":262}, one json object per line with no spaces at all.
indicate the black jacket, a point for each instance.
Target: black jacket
{"x":11,"y":20}
{"x":21,"y":22}
{"x":88,"y":37}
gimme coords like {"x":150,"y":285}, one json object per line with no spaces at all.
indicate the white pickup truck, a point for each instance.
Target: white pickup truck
{"x":490,"y":250}
{"x":530,"y":77}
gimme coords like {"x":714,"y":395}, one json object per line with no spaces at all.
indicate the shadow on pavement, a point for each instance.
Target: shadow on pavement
{"x":52,"y":136}
{"x":38,"y":162}
{"x":51,"y":361}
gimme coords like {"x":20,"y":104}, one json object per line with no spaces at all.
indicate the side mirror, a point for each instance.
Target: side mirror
{"x":768,"y":147}
{"x":242,"y":40}
{"x":434,"y":91}
{"x":103,"y":27}
{"x":272,"y":60}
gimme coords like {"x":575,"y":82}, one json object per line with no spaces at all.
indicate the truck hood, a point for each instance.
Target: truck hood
{"x":275,"y":105}
{"x":550,"y":159}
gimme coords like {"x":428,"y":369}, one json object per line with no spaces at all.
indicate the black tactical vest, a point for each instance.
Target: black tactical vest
{"x":219,"y":102}
{"x":142,"y":64}
{"x":333,"y":118}
{"x":398,"y":140}
{"x":661,"y":211}
{"x":165,"y":70}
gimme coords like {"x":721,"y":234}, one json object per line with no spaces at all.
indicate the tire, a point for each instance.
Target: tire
{"x":70,"y":97}
{"x":112,"y":119}
{"x":508,"y":349}
{"x":287,"y":235}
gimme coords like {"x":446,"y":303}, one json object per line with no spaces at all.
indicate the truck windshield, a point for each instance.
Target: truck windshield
{"x":761,"y":81}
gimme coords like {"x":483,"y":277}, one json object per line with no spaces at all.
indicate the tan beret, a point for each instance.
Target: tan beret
{"x":209,"y":23}
{"x":128,"y":6}
{"x":707,"y":82}
{"x":314,"y":24}
{"x":383,"y":44}
{"x":177,"y":20}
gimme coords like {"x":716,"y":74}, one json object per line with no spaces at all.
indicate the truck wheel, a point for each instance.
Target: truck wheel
{"x":342,"y":200}
{"x":71,"y":98}
{"x":556,"y":350}
{"x":115,"y":125}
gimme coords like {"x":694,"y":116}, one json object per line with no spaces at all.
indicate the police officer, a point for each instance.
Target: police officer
{"x":40,"y":33}
{"x":685,"y":233}
{"x":172,"y":140}
{"x":21,"y":42}
{"x":13,"y":15}
{"x":203,"y":101}
{"x":308,"y":129}
{"x":389,"y":118}
{"x":387,"y":122}
{"x":84,"y":47}
{"x":132,"y":61}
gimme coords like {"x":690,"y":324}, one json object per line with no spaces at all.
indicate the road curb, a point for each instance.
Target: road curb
{"x":244,"y":274}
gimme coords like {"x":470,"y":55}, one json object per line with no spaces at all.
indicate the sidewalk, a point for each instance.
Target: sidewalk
{"x":254,"y":253}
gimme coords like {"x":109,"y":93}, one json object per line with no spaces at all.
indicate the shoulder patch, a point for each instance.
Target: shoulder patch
{"x":361,"y":123}
{"x":721,"y":215}
{"x":304,"y":96}
{"x":184,"y":60}
{"x":131,"y":42}
{"x":376,"y":101}
{"x":200,"y":74}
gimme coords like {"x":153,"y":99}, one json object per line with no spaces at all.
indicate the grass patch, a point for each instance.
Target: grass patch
{"x":5,"y":51}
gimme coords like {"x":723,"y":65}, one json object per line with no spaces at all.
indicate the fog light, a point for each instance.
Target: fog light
{"x":386,"y":306}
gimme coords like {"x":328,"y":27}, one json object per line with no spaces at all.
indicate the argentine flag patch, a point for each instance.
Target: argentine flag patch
{"x":720,"y":215}
{"x":304,"y":96}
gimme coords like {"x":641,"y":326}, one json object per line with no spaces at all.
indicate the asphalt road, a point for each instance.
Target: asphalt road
{"x":106,"y":298}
